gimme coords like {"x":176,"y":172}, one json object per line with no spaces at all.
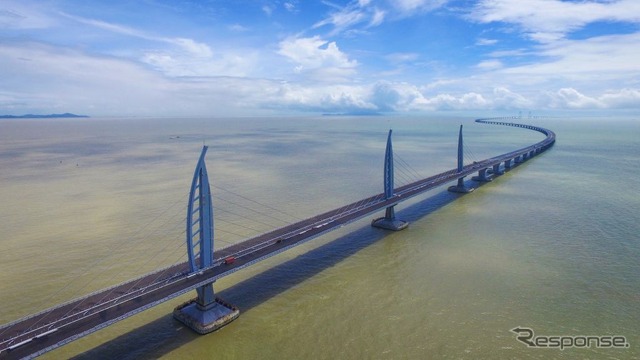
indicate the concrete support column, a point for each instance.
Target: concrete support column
{"x":482,"y":176}
{"x":496,"y":170}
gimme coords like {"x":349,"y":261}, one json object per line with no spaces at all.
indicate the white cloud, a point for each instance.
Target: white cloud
{"x":343,"y":19}
{"x":504,"y":98}
{"x":184,"y":57}
{"x":70,"y":80}
{"x":473,"y":101}
{"x":464,"y":102}
{"x":402,"y":57}
{"x":191,"y":46}
{"x":238,"y":28}
{"x":389,"y":96}
{"x":267,"y":10}
{"x":489,"y":65}
{"x":290,"y":6}
{"x":604,"y":58}
{"x":115,"y":28}
{"x":411,"y":6}
{"x":318,"y":98}
{"x":550,"y":20}
{"x":74,"y":81}
{"x":513,"y":53}
{"x":364,"y":13}
{"x":377,"y":18}
{"x":346,"y":17}
{"x":385,"y":96}
{"x":178,"y":64}
{"x":569,"y":98}
{"x":318,"y":56}
{"x":486,"y":42}
{"x":24,"y":16}
{"x":180,"y":75}
{"x":595,"y":66}
{"x":621,"y":99}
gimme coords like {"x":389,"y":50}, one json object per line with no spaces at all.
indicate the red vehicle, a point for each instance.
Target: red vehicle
{"x":229,"y":260}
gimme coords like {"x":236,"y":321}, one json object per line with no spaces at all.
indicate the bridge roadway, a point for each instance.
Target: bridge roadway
{"x":52,"y":328}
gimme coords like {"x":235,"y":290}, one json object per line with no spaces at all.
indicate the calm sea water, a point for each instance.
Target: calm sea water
{"x":553,"y":245}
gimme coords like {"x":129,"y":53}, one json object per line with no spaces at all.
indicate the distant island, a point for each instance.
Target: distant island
{"x":49,"y":116}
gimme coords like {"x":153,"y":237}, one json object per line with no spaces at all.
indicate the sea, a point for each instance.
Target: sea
{"x":552,"y":246}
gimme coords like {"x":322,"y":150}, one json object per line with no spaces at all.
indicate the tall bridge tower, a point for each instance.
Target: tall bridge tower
{"x":389,"y":221}
{"x":460,"y":188}
{"x":205,"y":313}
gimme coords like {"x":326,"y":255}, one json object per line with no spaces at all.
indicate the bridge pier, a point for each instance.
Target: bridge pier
{"x":460,"y":188}
{"x":482,"y":176}
{"x":389,"y":221}
{"x":507,"y":165}
{"x":205,"y":313}
{"x":204,"y":319}
{"x":496,"y":170}
{"x":518,"y":159}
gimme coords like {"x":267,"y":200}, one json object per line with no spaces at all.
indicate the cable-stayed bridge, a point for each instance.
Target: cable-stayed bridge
{"x":54,"y":327}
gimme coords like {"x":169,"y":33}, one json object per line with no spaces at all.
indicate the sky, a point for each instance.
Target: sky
{"x":279,"y":57}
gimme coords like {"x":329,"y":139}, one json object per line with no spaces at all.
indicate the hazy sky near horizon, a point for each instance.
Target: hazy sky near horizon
{"x":266,"y":57}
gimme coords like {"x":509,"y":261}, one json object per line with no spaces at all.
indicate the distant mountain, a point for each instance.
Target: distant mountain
{"x":50,"y":116}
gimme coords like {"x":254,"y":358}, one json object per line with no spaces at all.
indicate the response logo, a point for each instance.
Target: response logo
{"x":527,"y":336}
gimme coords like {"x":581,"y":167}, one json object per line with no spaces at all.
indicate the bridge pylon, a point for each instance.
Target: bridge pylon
{"x":205,"y":313}
{"x":460,"y":188}
{"x":389,"y":221}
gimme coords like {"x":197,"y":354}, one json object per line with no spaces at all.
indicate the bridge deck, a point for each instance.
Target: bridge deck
{"x":62,"y":324}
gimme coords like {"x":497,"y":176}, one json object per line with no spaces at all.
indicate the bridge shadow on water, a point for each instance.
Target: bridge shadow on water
{"x":165,"y":334}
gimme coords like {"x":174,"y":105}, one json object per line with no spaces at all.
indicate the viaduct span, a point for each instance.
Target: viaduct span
{"x":43,"y":331}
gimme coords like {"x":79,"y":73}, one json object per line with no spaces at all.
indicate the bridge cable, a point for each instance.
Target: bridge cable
{"x":256,"y":202}
{"x":103,"y":259}
{"x":250,"y":209}
{"x":162,"y":273}
{"x":406,"y":165}
{"x":110,"y":292}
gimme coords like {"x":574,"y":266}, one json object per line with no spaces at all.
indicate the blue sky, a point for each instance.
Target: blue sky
{"x":272,"y":57}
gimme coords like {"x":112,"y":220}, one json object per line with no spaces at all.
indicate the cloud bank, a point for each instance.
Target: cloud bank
{"x":348,"y":58}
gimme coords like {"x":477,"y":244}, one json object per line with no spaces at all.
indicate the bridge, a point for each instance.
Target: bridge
{"x":44,"y":331}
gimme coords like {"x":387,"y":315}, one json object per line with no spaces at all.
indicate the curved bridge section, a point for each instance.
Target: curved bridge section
{"x":526,"y":152}
{"x":56,"y":326}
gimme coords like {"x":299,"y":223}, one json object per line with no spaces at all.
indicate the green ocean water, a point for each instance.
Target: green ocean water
{"x":552,"y":245}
